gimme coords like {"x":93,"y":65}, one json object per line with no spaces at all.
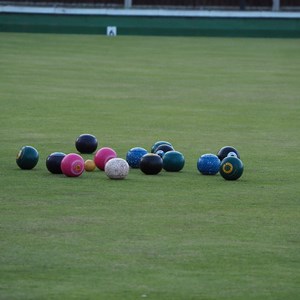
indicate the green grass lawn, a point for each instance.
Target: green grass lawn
{"x":171,"y":236}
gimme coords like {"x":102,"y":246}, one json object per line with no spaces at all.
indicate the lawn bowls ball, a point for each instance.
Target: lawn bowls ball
{"x":116,"y":168}
{"x":72,"y":165}
{"x":164,"y":147}
{"x":208,"y":164}
{"x":160,"y":153}
{"x":173,"y":161}
{"x":233,"y":154}
{"x":223,"y":152}
{"x":134,"y":155}
{"x":102,"y":156}
{"x":158,"y":143}
{"x":231,"y":168}
{"x":53,"y":162}
{"x":89,"y":165}
{"x":151,"y":164}
{"x":27,"y":158}
{"x":86,"y":143}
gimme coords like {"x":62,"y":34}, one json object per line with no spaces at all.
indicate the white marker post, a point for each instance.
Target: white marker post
{"x":128,"y":3}
{"x":276,"y":5}
{"x":111,"y":30}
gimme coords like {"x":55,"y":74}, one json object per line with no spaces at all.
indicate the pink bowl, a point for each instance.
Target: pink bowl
{"x":72,"y":165}
{"x":102,"y":156}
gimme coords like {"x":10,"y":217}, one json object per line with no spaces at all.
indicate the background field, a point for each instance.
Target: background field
{"x":170,"y":236}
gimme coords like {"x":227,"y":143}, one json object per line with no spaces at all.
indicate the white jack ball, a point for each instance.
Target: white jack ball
{"x":116,"y":168}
